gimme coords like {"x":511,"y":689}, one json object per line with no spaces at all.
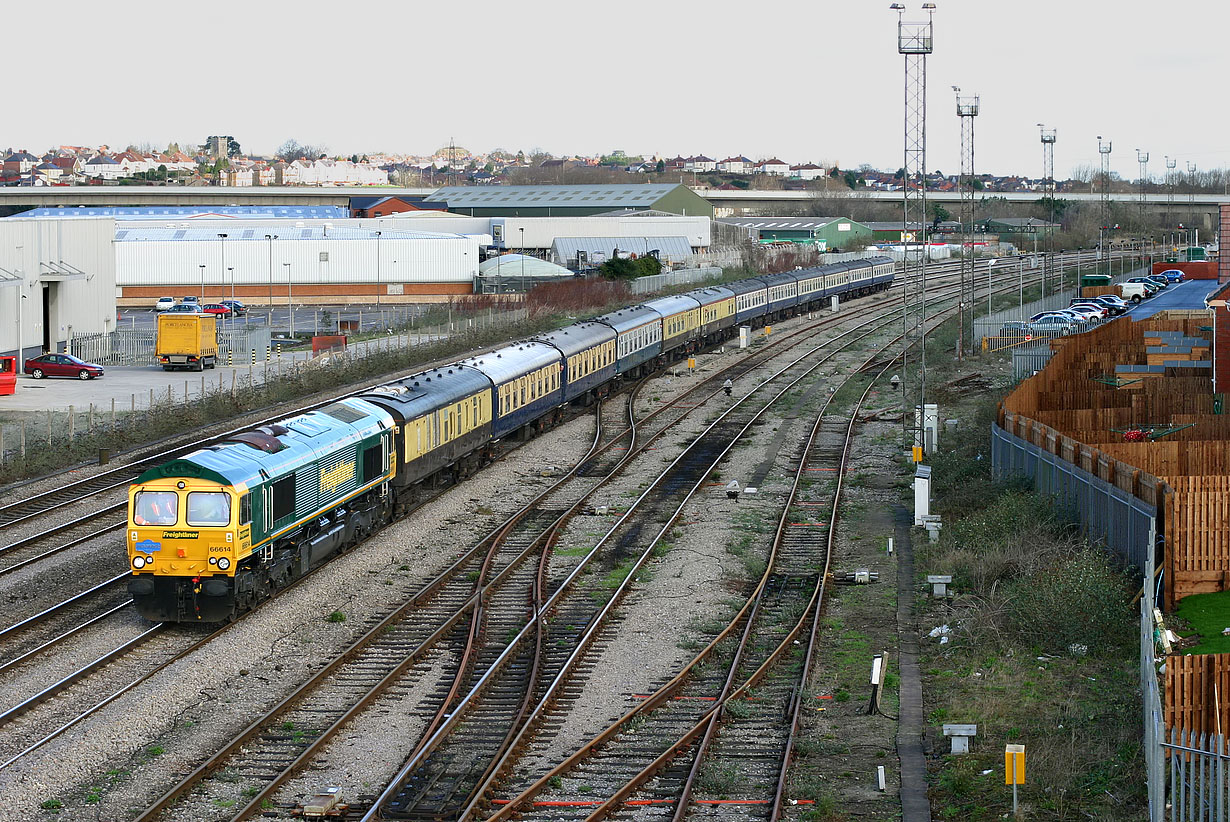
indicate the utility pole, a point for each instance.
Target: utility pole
{"x":914,"y":43}
{"x":1170,"y":166}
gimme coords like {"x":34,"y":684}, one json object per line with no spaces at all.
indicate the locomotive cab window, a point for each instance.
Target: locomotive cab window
{"x":245,"y":509}
{"x":155,"y":508}
{"x":208,"y":508}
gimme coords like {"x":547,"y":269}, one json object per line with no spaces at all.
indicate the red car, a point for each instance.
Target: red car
{"x":216,"y":308}
{"x":61,"y":365}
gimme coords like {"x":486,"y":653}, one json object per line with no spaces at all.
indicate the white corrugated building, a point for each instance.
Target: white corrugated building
{"x":315,"y":261}
{"x":62,"y":274}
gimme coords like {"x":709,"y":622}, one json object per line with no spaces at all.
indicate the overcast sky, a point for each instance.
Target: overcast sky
{"x":814,"y":81}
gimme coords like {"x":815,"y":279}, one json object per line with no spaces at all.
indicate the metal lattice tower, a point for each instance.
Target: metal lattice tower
{"x":967,"y":110}
{"x":1048,"y":135}
{"x":914,"y":42}
{"x":1142,"y":157}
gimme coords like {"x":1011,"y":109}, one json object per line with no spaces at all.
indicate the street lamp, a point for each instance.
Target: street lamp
{"x":222,"y":247}
{"x":522,"y":230}
{"x":378,"y":271}
{"x":202,"y":282}
{"x":289,"y":302}
{"x":271,"y":238}
{"x":231,"y":270}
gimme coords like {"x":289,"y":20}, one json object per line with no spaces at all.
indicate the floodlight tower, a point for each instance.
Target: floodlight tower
{"x":1104,"y":151}
{"x":967,"y":110}
{"x":1170,"y":166}
{"x":1142,"y":157}
{"x":914,"y":43}
{"x":1047,"y":136}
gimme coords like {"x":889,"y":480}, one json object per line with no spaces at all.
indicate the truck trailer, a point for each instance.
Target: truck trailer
{"x":187,"y":341}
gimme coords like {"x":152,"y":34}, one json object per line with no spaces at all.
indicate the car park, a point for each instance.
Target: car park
{"x":61,"y":365}
{"x":236,"y":306}
{"x":164,"y":304}
{"x":1173,"y":275}
{"x":216,"y":308}
{"x":185,"y":308}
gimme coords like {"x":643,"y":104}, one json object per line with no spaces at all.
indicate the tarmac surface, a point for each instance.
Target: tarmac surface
{"x":1186,"y":295}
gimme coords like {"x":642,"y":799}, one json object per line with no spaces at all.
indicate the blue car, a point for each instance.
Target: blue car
{"x":1173,"y":275}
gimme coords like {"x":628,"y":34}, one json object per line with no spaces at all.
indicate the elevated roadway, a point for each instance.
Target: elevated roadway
{"x":727,"y":203}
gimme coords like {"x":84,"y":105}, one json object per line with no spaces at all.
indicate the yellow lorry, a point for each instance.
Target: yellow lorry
{"x":187,"y":341}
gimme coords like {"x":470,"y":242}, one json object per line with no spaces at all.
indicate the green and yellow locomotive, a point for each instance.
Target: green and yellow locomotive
{"x":214,"y":532}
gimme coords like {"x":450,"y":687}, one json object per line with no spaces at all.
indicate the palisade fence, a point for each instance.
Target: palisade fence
{"x":137,"y":347}
{"x":1199,"y":765}
{"x":250,"y":384}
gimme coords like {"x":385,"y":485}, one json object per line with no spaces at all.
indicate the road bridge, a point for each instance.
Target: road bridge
{"x":727,"y":203}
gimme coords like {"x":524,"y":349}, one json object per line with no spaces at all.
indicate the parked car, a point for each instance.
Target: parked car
{"x":61,"y":365}
{"x":1014,"y":328}
{"x":1096,"y":310}
{"x":1152,"y":286}
{"x":1173,"y":275}
{"x":164,"y":304}
{"x":1159,"y":279}
{"x":185,"y":308}
{"x":1053,"y":324}
{"x":236,"y":306}
{"x":1066,"y":314}
{"x":217,"y":308}
{"x":1112,"y":303}
{"x":189,"y":299}
{"x":1135,"y":291}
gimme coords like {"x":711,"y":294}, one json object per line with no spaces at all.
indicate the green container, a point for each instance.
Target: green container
{"x":1095,"y":279}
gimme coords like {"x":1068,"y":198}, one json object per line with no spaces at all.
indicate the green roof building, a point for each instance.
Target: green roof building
{"x":829,"y":233}
{"x":572,"y":201}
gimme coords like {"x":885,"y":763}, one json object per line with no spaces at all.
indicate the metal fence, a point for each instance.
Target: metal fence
{"x":683,"y":276}
{"x":1029,"y":359}
{"x":992,"y":326}
{"x":1128,"y":526}
{"x":1119,"y":520}
{"x":138,"y":347}
{"x":1199,"y":777}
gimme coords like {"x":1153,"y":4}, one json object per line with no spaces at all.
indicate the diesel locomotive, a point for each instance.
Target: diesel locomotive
{"x":212,"y":533}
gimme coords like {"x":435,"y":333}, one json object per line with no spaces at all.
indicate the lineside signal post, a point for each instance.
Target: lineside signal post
{"x":1014,"y":769}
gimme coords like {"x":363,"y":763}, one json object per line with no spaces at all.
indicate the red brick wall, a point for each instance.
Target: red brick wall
{"x":1198,"y":270}
{"x":1223,"y":260}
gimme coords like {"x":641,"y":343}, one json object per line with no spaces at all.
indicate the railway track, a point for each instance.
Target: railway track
{"x":596,"y":467}
{"x":481,"y":674}
{"x":640,"y":757}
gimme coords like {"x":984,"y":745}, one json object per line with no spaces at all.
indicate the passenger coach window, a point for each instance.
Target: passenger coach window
{"x":208,"y":508}
{"x":155,"y":508}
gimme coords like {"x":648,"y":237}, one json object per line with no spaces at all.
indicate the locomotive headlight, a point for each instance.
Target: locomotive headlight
{"x":138,"y":561}
{"x":224,"y":563}
{"x":213,"y":560}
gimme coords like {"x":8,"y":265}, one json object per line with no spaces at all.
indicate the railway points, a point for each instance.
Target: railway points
{"x":678,"y":380}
